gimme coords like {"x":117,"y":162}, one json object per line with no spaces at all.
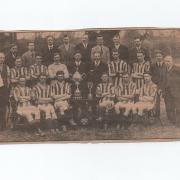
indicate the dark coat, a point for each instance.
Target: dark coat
{"x":123,"y":52}
{"x":48,"y":55}
{"x":171,"y":81}
{"x":95,"y":73}
{"x":67,"y":55}
{"x":85,"y":52}
{"x":10,"y":59}
{"x":83,"y":70}
{"x":156,"y":71}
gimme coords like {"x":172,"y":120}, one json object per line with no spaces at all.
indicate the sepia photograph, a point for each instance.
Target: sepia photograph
{"x":90,"y":85}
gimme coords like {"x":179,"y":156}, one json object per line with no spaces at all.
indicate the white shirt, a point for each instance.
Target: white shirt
{"x":54,"y":68}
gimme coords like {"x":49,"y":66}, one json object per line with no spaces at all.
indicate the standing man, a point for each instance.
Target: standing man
{"x":138,"y":48}
{"x":48,"y":51}
{"x":67,"y":50}
{"x":116,"y":68}
{"x":85,"y":49}
{"x":156,"y":71}
{"x":138,"y":70}
{"x":4,"y":90}
{"x":37,"y":69}
{"x":11,"y":56}
{"x":28,"y":58}
{"x":57,"y":66}
{"x":123,"y":50}
{"x":171,"y":89}
{"x":18,"y":71}
{"x":104,"y":50}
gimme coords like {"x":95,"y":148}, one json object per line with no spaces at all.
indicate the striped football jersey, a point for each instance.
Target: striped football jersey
{"x":41,"y":91}
{"x":38,"y":69}
{"x":140,"y":68}
{"x":148,"y":89}
{"x":60,"y":88}
{"x":18,"y":72}
{"x":125,"y":89}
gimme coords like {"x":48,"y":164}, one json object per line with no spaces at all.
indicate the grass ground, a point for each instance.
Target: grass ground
{"x":135,"y":132}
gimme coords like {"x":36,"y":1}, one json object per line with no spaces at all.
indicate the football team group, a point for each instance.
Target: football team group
{"x":66,"y":86}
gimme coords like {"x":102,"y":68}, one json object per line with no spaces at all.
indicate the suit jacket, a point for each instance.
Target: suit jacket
{"x":28,"y":58}
{"x":104,"y":52}
{"x":67,"y":55}
{"x":83,"y":70}
{"x":48,"y":55}
{"x":156,"y":70}
{"x":171,"y":82}
{"x":85,"y":52}
{"x":10,"y":59}
{"x":133,"y":55}
{"x":123,"y":52}
{"x":96,"y":72}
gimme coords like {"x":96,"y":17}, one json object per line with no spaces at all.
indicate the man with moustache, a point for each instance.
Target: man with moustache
{"x":171,"y":89}
{"x":11,"y":56}
{"x":122,"y":50}
{"x":85,"y":49}
{"x":4,"y":90}
{"x":48,"y":51}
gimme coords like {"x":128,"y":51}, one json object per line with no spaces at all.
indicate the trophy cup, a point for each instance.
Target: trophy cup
{"x":77,"y":79}
{"x":90,"y":85}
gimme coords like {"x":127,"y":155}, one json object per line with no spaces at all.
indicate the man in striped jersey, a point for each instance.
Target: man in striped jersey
{"x":61,"y":93}
{"x":23,"y":96}
{"x":105,"y":95}
{"x":125,"y":94}
{"x":42,"y":93}
{"x":116,"y":68}
{"x":37,"y":69}
{"x":18,"y":71}
{"x":138,"y":70}
{"x":147,"y":97}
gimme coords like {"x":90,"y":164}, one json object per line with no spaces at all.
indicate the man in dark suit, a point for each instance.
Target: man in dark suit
{"x":11,"y":56}
{"x":78,"y":66}
{"x":85,"y":49}
{"x":156,"y":71}
{"x":123,"y":50}
{"x":48,"y":51}
{"x":138,"y":48}
{"x":97,"y":68}
{"x":4,"y":90}
{"x":67,"y":50}
{"x":170,"y":86}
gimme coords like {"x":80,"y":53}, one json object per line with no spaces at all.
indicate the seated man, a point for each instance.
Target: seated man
{"x":147,"y":95}
{"x":37,"y":69}
{"x":61,"y":93}
{"x":105,"y":94}
{"x":42,"y":94}
{"x":22,"y":95}
{"x":125,"y":94}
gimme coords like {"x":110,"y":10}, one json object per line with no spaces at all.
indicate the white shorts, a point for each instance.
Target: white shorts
{"x":49,"y":111}
{"x":144,"y":105}
{"x":28,"y":112}
{"x":108,"y":104}
{"x":128,"y":106}
{"x":61,"y":105}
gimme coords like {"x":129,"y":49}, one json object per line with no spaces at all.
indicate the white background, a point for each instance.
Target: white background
{"x":139,"y":161}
